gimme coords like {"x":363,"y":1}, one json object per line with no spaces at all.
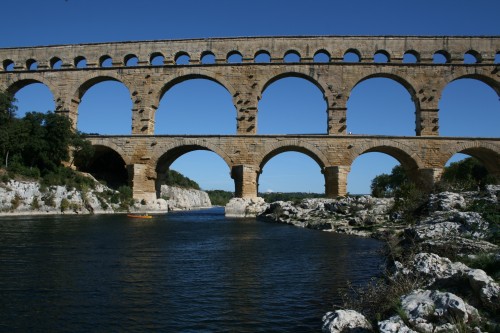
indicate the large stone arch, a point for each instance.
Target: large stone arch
{"x":408,"y":159}
{"x":292,"y":145}
{"x":87,"y":82}
{"x":488,"y":154}
{"x":22,"y":81}
{"x":484,"y":78}
{"x":108,"y":143}
{"x":299,"y":72}
{"x":161,"y":154}
{"x":190,"y":75}
{"x":107,"y":163}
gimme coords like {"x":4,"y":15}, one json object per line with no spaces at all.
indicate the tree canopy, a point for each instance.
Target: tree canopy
{"x":38,"y":142}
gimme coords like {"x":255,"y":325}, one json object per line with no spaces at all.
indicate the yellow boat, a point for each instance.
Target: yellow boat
{"x":145,"y":216}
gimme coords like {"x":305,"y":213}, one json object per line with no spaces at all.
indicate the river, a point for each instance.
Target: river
{"x":194,"y":271}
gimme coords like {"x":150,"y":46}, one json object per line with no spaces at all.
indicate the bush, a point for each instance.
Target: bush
{"x":219,"y":197}
{"x":48,"y":199}
{"x":35,"y":204}
{"x":64,"y":204}
{"x":409,"y":202}
{"x":16,"y":201}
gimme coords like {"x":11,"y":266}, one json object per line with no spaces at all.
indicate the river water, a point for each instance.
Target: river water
{"x":193,"y":271}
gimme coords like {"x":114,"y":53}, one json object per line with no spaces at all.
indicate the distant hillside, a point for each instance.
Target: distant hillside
{"x":175,"y":178}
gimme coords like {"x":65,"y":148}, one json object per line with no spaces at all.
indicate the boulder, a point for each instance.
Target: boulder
{"x":345,"y":321}
{"x":446,"y":201}
{"x":245,"y":207}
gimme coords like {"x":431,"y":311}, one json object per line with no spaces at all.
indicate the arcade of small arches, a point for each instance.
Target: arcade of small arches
{"x":246,"y":67}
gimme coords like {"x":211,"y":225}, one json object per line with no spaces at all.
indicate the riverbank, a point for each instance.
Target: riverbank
{"x":442,"y":262}
{"x":18,"y":197}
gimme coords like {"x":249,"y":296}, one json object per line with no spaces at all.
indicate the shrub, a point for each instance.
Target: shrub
{"x":64,"y":204}
{"x":48,"y":199}
{"x":16,"y":201}
{"x":35,"y":204}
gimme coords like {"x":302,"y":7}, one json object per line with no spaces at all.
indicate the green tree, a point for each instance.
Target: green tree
{"x":385,"y":185}
{"x":467,"y":174}
{"x":7,"y":118}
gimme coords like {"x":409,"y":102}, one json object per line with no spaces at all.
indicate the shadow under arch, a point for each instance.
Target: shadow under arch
{"x":106,"y":165}
{"x":162,"y":160}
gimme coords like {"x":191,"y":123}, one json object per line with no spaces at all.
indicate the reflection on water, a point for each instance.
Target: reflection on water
{"x":182,"y":272}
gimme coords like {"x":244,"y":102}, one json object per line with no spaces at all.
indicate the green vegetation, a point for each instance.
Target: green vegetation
{"x":468,"y":174}
{"x":175,"y":178}
{"x":220,"y":197}
{"x":288,"y":196}
{"x":36,"y":145}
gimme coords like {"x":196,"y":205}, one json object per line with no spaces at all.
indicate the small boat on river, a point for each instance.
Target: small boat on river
{"x":140,"y":216}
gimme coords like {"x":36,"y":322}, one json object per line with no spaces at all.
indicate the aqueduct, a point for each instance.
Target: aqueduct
{"x":70,"y":70}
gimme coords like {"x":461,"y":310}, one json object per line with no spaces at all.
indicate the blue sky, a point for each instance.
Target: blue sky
{"x":49,"y":22}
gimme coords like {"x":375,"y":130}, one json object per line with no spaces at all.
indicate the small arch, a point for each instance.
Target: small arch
{"x":262,"y":56}
{"x":352,"y":55}
{"x":234,"y":57}
{"x":322,"y":56}
{"x":182,"y":58}
{"x":31,"y":64}
{"x":105,"y":61}
{"x":55,"y":63}
{"x":472,"y":57}
{"x":411,"y":57}
{"x":8,"y":65}
{"x":157,"y":59}
{"x":291,"y":56}
{"x":131,"y":60}
{"x":207,"y":58}
{"x":381,"y":56}
{"x":80,"y":62}
{"x":441,"y":57}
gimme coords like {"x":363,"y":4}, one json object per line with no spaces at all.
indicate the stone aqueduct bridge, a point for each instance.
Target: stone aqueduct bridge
{"x":147,"y":156}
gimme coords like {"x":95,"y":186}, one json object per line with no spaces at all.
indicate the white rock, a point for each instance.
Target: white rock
{"x":185,"y":199}
{"x":245,"y":207}
{"x":345,"y":321}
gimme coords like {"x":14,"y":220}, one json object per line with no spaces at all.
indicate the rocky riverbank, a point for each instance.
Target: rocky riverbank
{"x":31,"y":198}
{"x":434,"y":283}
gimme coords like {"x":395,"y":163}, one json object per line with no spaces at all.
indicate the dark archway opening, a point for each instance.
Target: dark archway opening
{"x":107,"y":166}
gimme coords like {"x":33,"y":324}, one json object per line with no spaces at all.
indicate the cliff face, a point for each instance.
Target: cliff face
{"x":184,"y":199}
{"x":27,"y":198}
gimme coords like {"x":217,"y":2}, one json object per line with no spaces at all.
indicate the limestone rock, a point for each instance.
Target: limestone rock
{"x":184,"y":199}
{"x":345,"y":321}
{"x":394,"y":325}
{"x":446,"y":201}
{"x":487,"y":289}
{"x":436,"y":311}
{"x":245,"y":207}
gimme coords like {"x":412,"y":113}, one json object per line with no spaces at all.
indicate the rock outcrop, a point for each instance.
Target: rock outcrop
{"x":245,"y":207}
{"x":184,"y":199}
{"x":345,"y":321}
{"x":26,"y":198}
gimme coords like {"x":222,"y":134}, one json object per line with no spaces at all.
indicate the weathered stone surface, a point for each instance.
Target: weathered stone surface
{"x":146,"y":155}
{"x":245,"y":207}
{"x":345,"y":321}
{"x":446,"y":201}
{"x":435,"y":311}
{"x":184,"y":199}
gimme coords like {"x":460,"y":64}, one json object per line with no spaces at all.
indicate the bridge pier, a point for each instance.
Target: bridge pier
{"x":245,"y":180}
{"x":426,"y":178}
{"x":143,"y":186}
{"x":336,"y":180}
